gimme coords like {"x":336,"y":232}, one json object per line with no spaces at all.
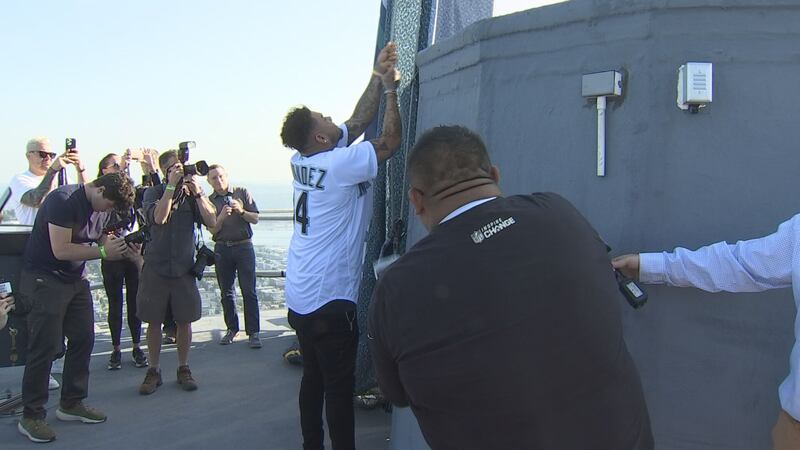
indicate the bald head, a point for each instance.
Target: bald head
{"x":445,"y":156}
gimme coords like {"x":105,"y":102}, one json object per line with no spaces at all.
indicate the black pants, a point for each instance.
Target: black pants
{"x":58,"y":309}
{"x":328,"y":339}
{"x":114,"y":274}
{"x":233,"y":261}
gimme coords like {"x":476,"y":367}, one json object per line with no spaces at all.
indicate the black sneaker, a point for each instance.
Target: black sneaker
{"x":169,"y":337}
{"x":254,"y":341}
{"x":227,"y":339}
{"x":139,"y":358}
{"x":115,"y":362}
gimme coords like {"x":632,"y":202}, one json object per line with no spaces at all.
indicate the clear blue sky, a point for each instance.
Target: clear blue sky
{"x":154,"y":73}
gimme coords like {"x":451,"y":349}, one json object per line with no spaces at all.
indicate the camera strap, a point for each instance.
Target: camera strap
{"x":199,"y":240}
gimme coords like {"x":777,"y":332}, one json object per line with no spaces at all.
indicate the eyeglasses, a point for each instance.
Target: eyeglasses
{"x":44,"y":155}
{"x":112,"y":166}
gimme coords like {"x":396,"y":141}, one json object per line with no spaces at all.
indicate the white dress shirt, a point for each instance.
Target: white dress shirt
{"x":748,"y":266}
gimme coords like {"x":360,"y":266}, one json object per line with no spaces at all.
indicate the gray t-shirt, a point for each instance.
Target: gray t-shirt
{"x":234,"y":228}
{"x":170,"y":253}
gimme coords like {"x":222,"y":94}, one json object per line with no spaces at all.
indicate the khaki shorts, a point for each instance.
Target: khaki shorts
{"x":156,"y":292}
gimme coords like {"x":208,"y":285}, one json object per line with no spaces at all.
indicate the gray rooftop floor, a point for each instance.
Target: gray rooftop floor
{"x":247,"y":399}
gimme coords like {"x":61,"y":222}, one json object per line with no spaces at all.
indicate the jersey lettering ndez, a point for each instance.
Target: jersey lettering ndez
{"x":332,"y":209}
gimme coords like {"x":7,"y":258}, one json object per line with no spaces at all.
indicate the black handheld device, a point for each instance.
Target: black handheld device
{"x":634,"y":294}
{"x":70,"y":144}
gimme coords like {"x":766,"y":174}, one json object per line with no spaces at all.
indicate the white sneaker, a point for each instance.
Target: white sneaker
{"x":53,"y":384}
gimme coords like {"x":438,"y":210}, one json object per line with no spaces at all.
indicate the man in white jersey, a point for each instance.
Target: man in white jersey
{"x":29,"y":188}
{"x":333,"y":205}
{"x":759,"y":264}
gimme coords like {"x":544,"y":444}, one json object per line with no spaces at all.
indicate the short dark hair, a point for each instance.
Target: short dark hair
{"x":163,"y":160}
{"x":296,"y":128}
{"x":447,"y":154}
{"x":118,"y":188}
{"x":104,"y":163}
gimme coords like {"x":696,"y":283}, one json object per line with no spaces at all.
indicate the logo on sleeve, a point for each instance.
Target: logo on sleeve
{"x":491,"y":229}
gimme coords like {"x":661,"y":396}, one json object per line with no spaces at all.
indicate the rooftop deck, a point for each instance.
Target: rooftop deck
{"x":247,"y":398}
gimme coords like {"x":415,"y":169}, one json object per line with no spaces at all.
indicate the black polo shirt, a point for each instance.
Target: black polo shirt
{"x":234,"y":228}
{"x":502,"y":330}
{"x":68,"y":207}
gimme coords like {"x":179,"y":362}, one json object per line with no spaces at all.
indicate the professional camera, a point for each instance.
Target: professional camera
{"x":205,"y":258}
{"x":198,"y":168}
{"x":140,"y":236}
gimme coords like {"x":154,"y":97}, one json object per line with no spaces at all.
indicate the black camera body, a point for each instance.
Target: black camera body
{"x":205,"y":258}
{"x":198,"y":168}
{"x":140,"y":236}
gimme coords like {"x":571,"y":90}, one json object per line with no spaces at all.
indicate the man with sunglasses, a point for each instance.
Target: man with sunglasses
{"x":29,"y":188}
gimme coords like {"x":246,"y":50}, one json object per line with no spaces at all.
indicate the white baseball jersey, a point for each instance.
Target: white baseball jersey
{"x":332,"y":209}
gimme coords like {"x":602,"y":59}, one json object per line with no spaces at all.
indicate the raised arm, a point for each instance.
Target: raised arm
{"x":389,"y":140}
{"x":35,"y":196}
{"x":367,"y":106}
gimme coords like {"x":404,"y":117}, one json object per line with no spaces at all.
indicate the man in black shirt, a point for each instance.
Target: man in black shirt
{"x":57,"y":296}
{"x":501,"y":329}
{"x":235,"y":255}
{"x":171,"y":210}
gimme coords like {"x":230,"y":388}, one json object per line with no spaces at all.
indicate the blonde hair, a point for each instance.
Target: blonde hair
{"x":36,"y":144}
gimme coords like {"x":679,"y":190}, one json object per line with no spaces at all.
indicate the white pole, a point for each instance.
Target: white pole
{"x":601,"y":136}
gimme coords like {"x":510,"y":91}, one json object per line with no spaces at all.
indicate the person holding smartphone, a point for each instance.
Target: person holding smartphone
{"x":6,"y":305}
{"x":29,"y":188}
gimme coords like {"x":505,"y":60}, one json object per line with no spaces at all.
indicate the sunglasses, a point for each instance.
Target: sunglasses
{"x":45,"y":155}
{"x":114,"y":166}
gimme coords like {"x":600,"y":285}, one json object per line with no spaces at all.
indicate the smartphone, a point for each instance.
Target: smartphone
{"x":70,"y":144}
{"x":137,"y":154}
{"x":5,"y":289}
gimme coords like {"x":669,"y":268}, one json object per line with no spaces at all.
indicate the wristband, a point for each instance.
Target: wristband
{"x":103,"y":254}
{"x":376,"y":73}
{"x":81,"y":170}
{"x":170,"y":187}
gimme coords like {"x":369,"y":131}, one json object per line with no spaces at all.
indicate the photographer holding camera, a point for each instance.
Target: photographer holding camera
{"x":124,"y":271}
{"x":57,"y":298}
{"x":167,"y":278}
{"x":232,"y":234}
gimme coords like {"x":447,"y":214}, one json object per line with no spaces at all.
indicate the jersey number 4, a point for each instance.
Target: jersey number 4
{"x":301,"y":212}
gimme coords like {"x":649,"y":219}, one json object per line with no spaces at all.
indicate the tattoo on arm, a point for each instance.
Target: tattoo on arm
{"x":365,"y":110}
{"x":35,"y":196}
{"x":389,"y":141}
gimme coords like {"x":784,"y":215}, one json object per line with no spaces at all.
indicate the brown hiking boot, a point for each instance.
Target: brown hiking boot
{"x":152,"y":380}
{"x":185,"y":379}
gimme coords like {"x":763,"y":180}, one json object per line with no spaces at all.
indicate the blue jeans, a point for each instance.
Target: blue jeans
{"x":232,"y":261}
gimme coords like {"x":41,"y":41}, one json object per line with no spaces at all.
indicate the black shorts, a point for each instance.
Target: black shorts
{"x":156,"y":292}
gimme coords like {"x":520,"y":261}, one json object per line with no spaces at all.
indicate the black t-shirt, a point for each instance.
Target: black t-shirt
{"x":502,"y":330}
{"x":65,"y":207}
